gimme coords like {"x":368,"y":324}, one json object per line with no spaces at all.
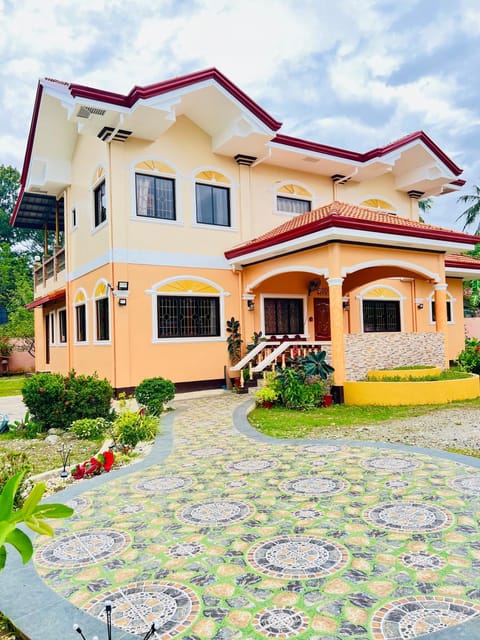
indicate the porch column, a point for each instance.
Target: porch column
{"x":441,"y":320}
{"x":336,"y":329}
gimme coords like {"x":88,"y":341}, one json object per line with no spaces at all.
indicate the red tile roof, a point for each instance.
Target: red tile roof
{"x":462,"y":261}
{"x":343,"y":215}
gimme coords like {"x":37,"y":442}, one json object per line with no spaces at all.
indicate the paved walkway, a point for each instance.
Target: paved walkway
{"x":227,"y":534}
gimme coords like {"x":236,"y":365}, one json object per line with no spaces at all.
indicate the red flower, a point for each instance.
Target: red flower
{"x":108,"y":458}
{"x":41,"y":390}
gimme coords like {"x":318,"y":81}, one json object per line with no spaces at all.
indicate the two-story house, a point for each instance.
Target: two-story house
{"x":179,"y":205}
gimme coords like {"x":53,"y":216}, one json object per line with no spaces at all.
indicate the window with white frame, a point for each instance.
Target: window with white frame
{"x":62,"y":326}
{"x":212,"y":199}
{"x":51,"y":327}
{"x":283,"y":316}
{"x":80,"y":317}
{"x":433,"y":317}
{"x":99,"y":198}
{"x":381,"y":316}
{"x":293,"y":199}
{"x":155,"y":197}
{"x":102,"y":312}
{"x":188,"y":316}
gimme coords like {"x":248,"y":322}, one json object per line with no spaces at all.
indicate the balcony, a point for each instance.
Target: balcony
{"x":50,"y":273}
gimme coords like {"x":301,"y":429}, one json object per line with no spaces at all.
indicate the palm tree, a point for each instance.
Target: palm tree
{"x":425,"y":205}
{"x":473,"y":211}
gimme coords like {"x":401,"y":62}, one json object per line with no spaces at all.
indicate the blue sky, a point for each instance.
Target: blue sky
{"x":355,"y":74}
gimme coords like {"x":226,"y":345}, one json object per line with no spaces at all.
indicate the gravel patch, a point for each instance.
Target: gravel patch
{"x":443,"y":429}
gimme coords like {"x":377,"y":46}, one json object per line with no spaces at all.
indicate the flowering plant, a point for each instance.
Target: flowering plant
{"x":102,"y":463}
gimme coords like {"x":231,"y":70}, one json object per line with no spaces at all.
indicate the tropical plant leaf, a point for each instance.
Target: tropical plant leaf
{"x":52,"y":510}
{"x":33,"y":499}
{"x":3,"y":556}
{"x":39,"y":526}
{"x":8,"y":495}
{"x":22,"y":544}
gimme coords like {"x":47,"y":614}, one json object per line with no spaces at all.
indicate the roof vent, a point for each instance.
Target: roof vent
{"x":107,"y":134}
{"x":86,"y":112}
{"x":416,"y":195}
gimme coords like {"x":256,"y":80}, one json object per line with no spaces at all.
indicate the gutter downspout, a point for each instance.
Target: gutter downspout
{"x":112,"y":267}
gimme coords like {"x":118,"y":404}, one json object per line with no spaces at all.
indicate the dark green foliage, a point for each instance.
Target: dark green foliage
{"x":132,"y":427}
{"x":469,"y":358}
{"x":296,"y":393}
{"x":234,"y":340}
{"x":56,"y":401}
{"x":314,"y":365}
{"x":90,"y":428}
{"x":152,"y":393}
{"x":11,"y":463}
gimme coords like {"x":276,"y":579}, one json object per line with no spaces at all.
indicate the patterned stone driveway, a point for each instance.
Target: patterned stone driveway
{"x":236,"y":536}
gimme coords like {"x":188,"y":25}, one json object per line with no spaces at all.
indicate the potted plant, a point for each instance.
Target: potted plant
{"x":234,"y":345}
{"x":6,"y":348}
{"x":266,"y":396}
{"x":327,"y":394}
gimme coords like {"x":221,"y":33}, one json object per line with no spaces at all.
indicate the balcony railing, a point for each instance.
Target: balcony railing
{"x":50,"y":267}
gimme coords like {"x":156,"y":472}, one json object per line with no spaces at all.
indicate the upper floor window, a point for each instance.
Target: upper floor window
{"x":293,"y":199}
{"x":212,"y":199}
{"x":155,"y":197}
{"x":99,"y":198}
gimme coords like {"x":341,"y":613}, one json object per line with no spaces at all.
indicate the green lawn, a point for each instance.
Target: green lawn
{"x":11,"y":385}
{"x":279,"y":422}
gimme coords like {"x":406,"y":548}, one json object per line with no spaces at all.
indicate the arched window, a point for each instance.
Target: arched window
{"x":293,"y":199}
{"x":80,"y":306}
{"x":381,"y":309}
{"x":213,"y":198}
{"x":102,"y":312}
{"x":155,"y":193}
{"x":99,"y":198}
{"x":187,"y":309}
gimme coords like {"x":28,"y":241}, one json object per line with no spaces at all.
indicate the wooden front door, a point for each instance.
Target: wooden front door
{"x":321,"y":314}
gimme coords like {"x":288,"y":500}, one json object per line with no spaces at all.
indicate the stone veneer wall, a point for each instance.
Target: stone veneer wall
{"x":366,"y":351}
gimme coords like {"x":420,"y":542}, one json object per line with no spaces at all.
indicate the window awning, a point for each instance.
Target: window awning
{"x":35,"y":210}
{"x":52,"y":297}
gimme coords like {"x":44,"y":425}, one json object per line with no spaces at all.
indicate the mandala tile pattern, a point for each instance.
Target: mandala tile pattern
{"x":412,"y":517}
{"x":79,"y":504}
{"x":422,"y":560}
{"x":185,"y":550}
{"x":397,"y":484}
{"x":280,"y":623}
{"x":468,"y":484}
{"x":322,"y":449}
{"x":391,"y":463}
{"x":209,"y":452}
{"x":251,"y":465}
{"x":315,"y":486}
{"x":307,"y":514}
{"x":131,"y":508}
{"x":173,"y":607}
{"x":298,"y":557}
{"x":79,"y":549}
{"x":418,"y":616}
{"x":213,"y":512}
{"x":164,"y":484}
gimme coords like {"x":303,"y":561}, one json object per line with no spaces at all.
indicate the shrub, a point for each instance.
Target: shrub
{"x":11,"y":463}
{"x":152,"y":393}
{"x":132,"y":427}
{"x":55,"y":401}
{"x":90,"y":428}
{"x":469,"y":358}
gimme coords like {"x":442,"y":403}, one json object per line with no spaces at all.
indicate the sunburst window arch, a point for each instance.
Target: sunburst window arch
{"x":188,"y":286}
{"x":378,"y":202}
{"x":102,"y":311}
{"x":291,"y":197}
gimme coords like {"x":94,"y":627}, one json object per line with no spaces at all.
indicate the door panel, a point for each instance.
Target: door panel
{"x":321,"y":313}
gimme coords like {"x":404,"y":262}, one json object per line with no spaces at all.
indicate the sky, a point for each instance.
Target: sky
{"x":355,"y":74}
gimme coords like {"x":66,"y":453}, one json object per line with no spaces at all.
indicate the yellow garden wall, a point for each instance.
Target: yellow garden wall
{"x":404,"y":373}
{"x":411,"y":393}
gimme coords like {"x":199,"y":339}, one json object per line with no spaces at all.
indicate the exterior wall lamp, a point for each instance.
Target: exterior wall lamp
{"x":346,"y":304}
{"x":250,"y":298}
{"x":419,"y":303}
{"x":122,"y":285}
